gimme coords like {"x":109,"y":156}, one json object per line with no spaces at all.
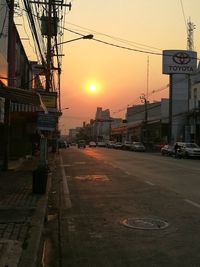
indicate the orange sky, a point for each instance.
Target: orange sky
{"x":120,"y":75}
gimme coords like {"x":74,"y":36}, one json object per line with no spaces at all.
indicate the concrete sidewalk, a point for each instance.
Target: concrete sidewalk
{"x":22,"y":215}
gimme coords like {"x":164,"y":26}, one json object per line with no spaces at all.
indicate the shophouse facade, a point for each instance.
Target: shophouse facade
{"x":18,"y":90}
{"x":147,"y":123}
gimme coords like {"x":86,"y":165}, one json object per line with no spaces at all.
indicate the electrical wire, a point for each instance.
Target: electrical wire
{"x":118,"y":46}
{"x":124,"y":47}
{"x":183,"y":12}
{"x":151,"y":93}
{"x":33,"y":48}
{"x":34,"y":31}
{"x":87,"y":30}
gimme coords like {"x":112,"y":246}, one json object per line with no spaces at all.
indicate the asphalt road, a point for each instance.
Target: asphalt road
{"x":120,"y":208}
{"x":179,"y":175}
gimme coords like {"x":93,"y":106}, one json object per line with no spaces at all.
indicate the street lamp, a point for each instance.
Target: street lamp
{"x":63,"y":109}
{"x":60,"y":111}
{"x":89,"y":36}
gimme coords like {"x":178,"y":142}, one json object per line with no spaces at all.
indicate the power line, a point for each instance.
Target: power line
{"x":118,"y":46}
{"x":115,"y":38}
{"x":183,"y":14}
{"x":151,"y":93}
{"x":125,"y":47}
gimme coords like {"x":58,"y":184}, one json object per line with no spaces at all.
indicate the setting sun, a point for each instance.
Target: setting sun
{"x":92,"y":87}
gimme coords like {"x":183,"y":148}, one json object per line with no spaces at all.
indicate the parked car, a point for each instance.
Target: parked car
{"x":81,"y":143}
{"x":92,"y":144}
{"x":62,"y":144}
{"x":110,"y":144}
{"x":73,"y":144}
{"x":187,"y":150}
{"x":101,"y":144}
{"x":138,"y":146}
{"x":167,"y":150}
{"x":118,"y":145}
{"x":127,"y":145}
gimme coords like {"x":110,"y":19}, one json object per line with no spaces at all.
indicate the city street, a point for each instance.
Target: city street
{"x":121,"y":208}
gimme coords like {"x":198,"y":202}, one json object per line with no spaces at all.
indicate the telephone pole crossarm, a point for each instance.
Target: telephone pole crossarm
{"x":57,"y":3}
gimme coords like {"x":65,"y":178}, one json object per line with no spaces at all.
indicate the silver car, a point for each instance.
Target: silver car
{"x":187,"y":150}
{"x":138,"y":146}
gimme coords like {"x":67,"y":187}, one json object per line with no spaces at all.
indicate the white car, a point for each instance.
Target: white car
{"x":138,"y":146}
{"x":101,"y":144}
{"x":118,"y":145}
{"x":187,"y":150}
{"x":127,"y":145}
{"x":92,"y":144}
{"x":110,"y":144}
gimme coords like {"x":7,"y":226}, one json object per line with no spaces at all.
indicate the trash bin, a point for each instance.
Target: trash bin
{"x":39,"y":181}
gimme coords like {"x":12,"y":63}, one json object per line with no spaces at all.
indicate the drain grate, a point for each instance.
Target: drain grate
{"x":145,"y":223}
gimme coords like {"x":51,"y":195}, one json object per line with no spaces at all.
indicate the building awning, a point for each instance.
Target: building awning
{"x":21,"y":96}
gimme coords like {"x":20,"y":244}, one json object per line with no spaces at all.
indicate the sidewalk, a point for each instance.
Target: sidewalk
{"x":22,"y":215}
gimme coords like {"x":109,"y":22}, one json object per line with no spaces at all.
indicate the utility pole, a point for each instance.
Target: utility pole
{"x":52,"y":31}
{"x":190,"y":35}
{"x":144,"y":100}
{"x":48,"y":58}
{"x":10,"y":81}
{"x":147,"y":94}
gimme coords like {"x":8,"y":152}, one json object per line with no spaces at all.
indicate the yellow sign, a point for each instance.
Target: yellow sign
{"x":50,"y":101}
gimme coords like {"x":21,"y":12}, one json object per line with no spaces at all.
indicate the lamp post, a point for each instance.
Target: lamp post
{"x":145,"y":130}
{"x":63,"y":109}
{"x":89,"y":36}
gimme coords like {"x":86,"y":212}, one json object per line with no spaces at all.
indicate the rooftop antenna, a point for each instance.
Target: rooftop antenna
{"x":190,"y":34}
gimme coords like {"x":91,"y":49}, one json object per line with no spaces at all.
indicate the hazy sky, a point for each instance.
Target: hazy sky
{"x":120,"y":75}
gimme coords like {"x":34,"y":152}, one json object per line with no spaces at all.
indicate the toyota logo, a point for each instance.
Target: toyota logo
{"x":181,"y":58}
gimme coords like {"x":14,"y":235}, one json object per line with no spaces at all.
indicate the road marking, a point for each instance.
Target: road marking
{"x":128,"y":173}
{"x":67,"y":199}
{"x":192,"y":203}
{"x":149,"y":183}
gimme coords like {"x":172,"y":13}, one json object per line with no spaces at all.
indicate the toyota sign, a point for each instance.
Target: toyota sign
{"x":179,"y":61}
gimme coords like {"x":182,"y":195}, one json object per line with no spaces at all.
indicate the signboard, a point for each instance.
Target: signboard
{"x":46,"y":122}
{"x":179,"y":62}
{"x":49,"y":99}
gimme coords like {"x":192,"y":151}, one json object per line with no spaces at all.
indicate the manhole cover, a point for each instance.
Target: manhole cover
{"x":145,"y":223}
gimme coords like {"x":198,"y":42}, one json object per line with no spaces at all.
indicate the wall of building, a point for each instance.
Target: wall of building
{"x":4,"y":11}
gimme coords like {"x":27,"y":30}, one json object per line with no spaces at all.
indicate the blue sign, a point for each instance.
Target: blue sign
{"x":46,"y":122}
